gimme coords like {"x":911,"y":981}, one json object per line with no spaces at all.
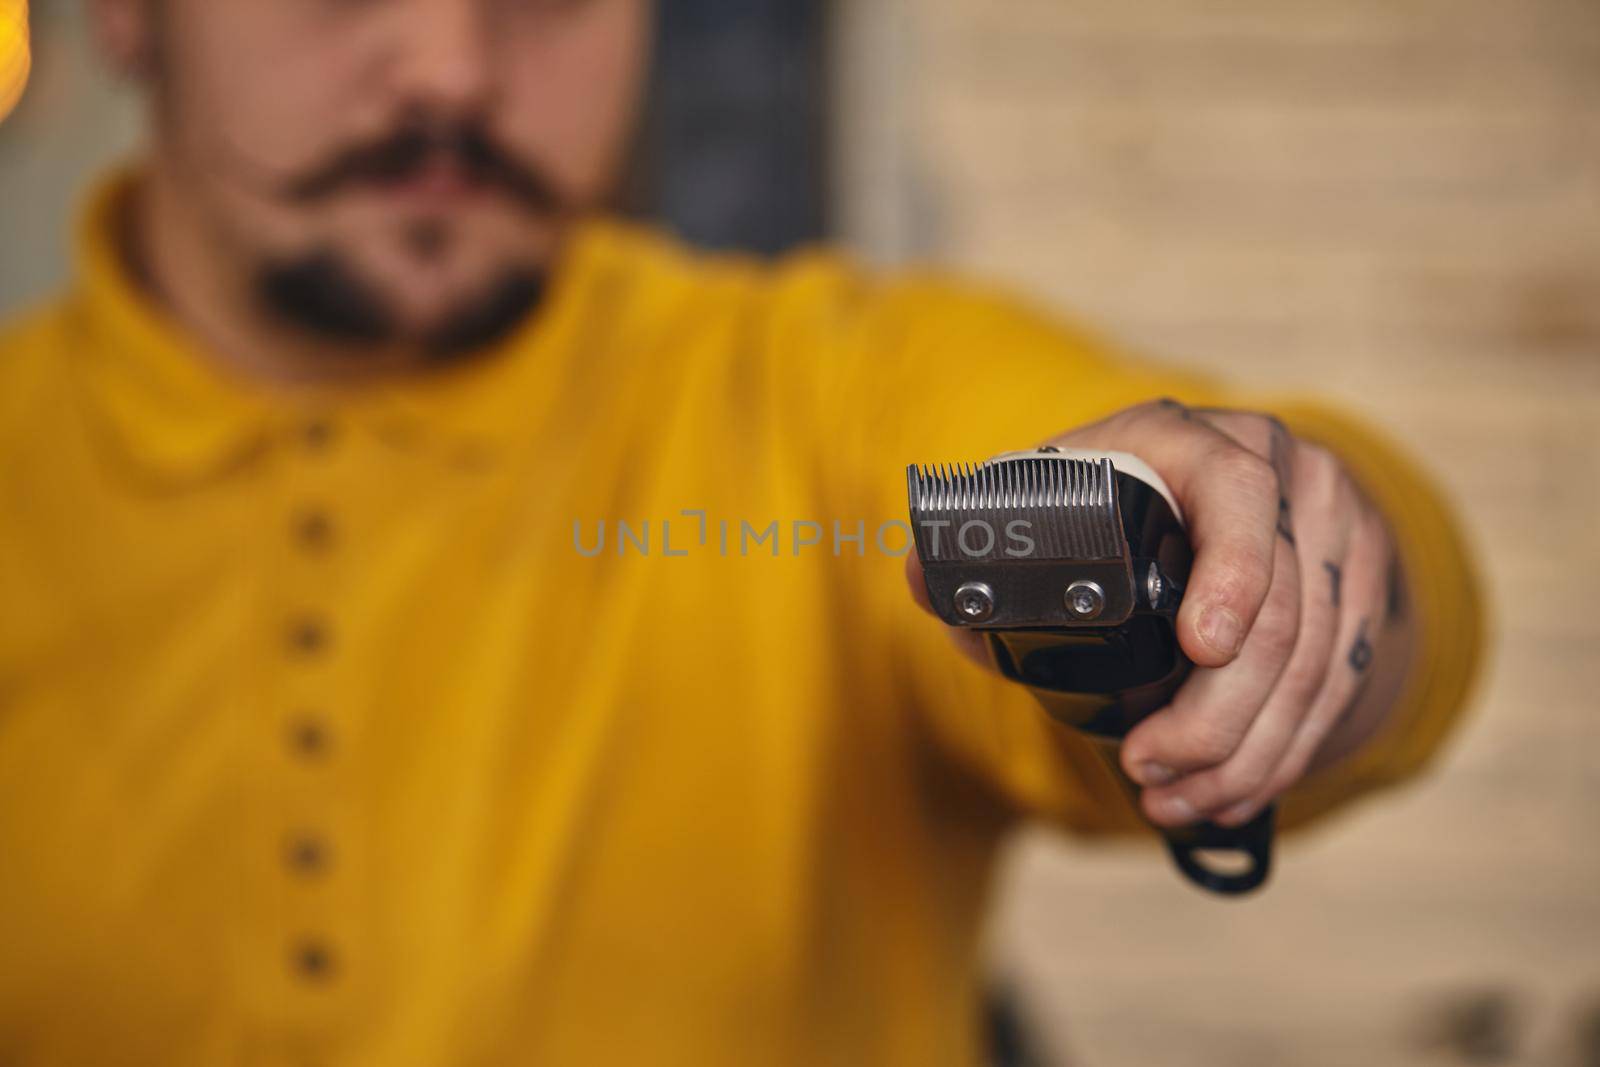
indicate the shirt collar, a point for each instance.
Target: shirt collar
{"x":165,"y":404}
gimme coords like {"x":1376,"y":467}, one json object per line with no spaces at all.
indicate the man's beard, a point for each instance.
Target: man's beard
{"x":321,"y":294}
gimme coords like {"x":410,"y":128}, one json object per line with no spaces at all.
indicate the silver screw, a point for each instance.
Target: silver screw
{"x":974,"y":601}
{"x":1154,"y":586}
{"x":1085,"y":599}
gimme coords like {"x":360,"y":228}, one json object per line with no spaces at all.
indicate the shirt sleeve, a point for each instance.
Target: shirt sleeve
{"x":932,"y":371}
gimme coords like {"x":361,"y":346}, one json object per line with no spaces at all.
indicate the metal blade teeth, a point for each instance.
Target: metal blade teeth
{"x":1069,"y":506}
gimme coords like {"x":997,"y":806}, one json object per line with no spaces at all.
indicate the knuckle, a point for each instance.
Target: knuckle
{"x":1269,"y":431}
{"x":1119,"y":425}
{"x":1318,"y":460}
{"x":1211,"y":741}
{"x":1246,"y":471}
{"x":1244,"y":578}
{"x":1157,"y":415}
{"x":1374,"y":529}
{"x":1346,"y":494}
{"x":1320,"y":483}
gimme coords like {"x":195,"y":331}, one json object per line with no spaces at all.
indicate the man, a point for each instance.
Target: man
{"x":444,"y":626}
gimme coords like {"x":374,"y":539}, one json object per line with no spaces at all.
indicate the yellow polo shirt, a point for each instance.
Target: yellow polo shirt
{"x":564,"y":706}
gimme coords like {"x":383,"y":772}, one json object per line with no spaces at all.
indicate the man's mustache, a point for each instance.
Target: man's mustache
{"x":412,"y":149}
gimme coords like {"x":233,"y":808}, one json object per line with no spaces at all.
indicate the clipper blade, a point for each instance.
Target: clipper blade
{"x":1039,"y":508}
{"x":1002,"y":542}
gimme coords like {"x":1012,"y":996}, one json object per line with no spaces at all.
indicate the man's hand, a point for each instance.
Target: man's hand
{"x":1292,"y":615}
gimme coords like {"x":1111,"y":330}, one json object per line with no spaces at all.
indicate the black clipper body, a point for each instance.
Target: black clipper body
{"x":1073,"y":564}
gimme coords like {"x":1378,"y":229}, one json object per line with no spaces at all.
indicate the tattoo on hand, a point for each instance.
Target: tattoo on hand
{"x":1335,"y":578}
{"x":1280,"y":463}
{"x":1395,"y":604}
{"x":1177,"y":406}
{"x":1361,"y":651}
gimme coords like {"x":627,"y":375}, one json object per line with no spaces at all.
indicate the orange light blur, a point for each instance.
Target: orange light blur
{"x":15,"y":59}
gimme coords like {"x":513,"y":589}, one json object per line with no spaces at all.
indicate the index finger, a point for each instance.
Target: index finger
{"x":1229,"y":496}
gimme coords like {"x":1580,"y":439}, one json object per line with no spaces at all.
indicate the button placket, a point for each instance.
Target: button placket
{"x":307,"y":847}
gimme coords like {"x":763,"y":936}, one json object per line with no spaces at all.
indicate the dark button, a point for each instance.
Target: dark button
{"x":317,"y":434}
{"x":307,"y":854}
{"x":308,"y":636}
{"x":313,"y":530}
{"x":312,"y":960}
{"x":308,"y":737}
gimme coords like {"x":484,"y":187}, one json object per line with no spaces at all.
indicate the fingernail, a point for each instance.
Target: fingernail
{"x":1152,"y":773}
{"x":1221,"y":629}
{"x":1175,"y":809}
{"x":1237,"y":813}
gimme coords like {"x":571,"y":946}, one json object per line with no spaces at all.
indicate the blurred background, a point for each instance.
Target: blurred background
{"x":1393,"y":203}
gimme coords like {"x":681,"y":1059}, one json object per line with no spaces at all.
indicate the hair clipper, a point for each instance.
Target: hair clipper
{"x":1073,"y":564}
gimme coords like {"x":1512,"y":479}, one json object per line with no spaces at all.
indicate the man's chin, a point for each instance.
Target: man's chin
{"x":488,"y":317}
{"x":324,"y":297}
